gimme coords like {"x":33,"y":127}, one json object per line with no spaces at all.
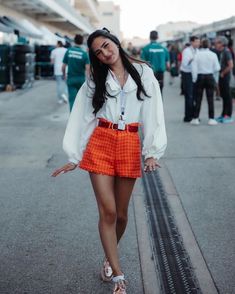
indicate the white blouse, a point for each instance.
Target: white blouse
{"x":148,"y":112}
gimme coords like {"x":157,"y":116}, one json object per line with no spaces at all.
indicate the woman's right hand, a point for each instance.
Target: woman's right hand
{"x":64,"y":169}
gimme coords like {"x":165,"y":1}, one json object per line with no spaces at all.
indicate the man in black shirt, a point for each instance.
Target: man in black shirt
{"x":226,"y":64}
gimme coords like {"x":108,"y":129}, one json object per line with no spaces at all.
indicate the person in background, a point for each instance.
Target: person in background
{"x":129,"y":48}
{"x":57,"y":56}
{"x":132,"y":50}
{"x":179,"y":64}
{"x":188,"y":56}
{"x":232,"y":82}
{"x":205,"y":69}
{"x":230,"y":47}
{"x":226,"y":64}
{"x":174,"y":70}
{"x":217,"y":92}
{"x":78,"y":68}
{"x":157,"y":56}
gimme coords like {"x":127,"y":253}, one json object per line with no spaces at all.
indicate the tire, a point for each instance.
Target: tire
{"x":19,"y":75}
{"x":21,"y":58}
{"x":43,"y":53}
{"x":4,"y":67}
{"x":27,"y":68}
{"x":4,"y":54}
{"x":4,"y":77}
{"x":46,"y":48}
{"x":47,"y":71}
{"x":23,"y":49}
{"x":19,"y":81}
{"x":21,"y":67}
{"x":44,"y":58}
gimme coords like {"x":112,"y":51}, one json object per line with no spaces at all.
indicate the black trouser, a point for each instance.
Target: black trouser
{"x":226,"y":95}
{"x":159,"y":75}
{"x":206,"y":82}
{"x":189,"y":94}
{"x":181,"y":84}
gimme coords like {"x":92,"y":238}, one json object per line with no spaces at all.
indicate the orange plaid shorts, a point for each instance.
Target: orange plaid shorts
{"x":113,"y":152}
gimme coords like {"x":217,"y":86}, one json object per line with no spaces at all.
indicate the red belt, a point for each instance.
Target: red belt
{"x":109,"y":125}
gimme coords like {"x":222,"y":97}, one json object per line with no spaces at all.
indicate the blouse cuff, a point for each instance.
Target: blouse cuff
{"x":149,"y":155}
{"x":73,"y":160}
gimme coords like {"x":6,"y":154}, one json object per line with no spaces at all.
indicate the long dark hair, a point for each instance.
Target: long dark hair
{"x":99,"y":70}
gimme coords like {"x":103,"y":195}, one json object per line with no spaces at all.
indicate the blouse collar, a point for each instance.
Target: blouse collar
{"x":129,"y":86}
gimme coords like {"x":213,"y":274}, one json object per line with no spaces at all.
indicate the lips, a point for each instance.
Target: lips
{"x":110,"y":57}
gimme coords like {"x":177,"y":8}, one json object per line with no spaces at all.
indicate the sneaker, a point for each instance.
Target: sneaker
{"x":227,"y":120}
{"x":212,"y":122}
{"x":119,"y":285}
{"x":195,"y":121}
{"x":106,"y":272}
{"x":219,"y":119}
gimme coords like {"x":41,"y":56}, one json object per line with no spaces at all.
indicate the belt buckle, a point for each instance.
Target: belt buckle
{"x":111,"y":126}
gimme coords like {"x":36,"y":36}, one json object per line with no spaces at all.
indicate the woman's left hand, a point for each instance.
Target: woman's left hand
{"x":150,"y":164}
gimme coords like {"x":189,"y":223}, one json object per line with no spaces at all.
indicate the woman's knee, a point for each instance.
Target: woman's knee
{"x":108,"y":216}
{"x":122,"y":218}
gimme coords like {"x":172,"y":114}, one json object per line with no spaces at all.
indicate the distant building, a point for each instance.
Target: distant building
{"x":88,"y":9}
{"x":110,"y":17}
{"x":136,"y":41}
{"x":225,"y":27}
{"x":169,"y":30}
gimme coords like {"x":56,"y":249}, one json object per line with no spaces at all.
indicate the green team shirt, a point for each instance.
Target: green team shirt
{"x":76,"y":59}
{"x":157,"y":55}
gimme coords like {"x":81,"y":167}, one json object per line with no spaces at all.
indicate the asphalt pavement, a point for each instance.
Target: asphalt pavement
{"x":201,"y":163}
{"x":49,"y":240}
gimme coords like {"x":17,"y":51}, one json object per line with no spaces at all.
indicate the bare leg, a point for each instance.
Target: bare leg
{"x":123,"y":190}
{"x":104,"y":191}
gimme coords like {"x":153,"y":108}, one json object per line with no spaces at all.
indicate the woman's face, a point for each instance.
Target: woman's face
{"x":105,"y":50}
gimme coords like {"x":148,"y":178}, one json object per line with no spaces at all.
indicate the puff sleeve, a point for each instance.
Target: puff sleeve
{"x":80,"y":126}
{"x":152,"y":117}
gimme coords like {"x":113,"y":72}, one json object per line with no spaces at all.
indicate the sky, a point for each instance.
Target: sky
{"x":139,"y":17}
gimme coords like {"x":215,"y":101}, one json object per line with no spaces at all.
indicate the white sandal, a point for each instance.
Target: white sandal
{"x":106,"y":272}
{"x":119,"y":285}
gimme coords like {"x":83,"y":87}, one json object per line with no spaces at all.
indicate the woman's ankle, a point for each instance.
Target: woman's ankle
{"x":117,"y":273}
{"x":115,"y":278}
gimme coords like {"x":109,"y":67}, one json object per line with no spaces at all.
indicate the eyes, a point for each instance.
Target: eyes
{"x":105,"y":46}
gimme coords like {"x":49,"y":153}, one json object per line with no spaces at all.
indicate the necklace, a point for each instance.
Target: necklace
{"x":119,"y":76}
{"x":122,"y":76}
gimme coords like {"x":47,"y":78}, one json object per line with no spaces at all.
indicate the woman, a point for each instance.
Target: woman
{"x":102,"y":137}
{"x":173,"y":52}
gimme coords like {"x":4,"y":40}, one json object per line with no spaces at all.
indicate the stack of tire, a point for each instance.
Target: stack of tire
{"x":23,"y":65}
{"x":4,"y":66}
{"x":44,"y":68}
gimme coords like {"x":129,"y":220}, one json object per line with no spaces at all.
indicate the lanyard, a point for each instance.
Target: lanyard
{"x":122,"y":97}
{"x":122,"y":102}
